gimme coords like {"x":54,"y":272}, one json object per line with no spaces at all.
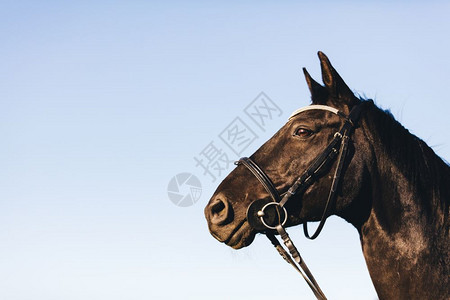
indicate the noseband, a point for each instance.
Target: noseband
{"x":261,"y":219}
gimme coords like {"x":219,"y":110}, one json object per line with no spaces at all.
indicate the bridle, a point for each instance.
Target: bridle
{"x":258,"y":213}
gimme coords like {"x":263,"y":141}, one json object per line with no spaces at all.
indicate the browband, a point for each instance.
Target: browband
{"x":314,"y":107}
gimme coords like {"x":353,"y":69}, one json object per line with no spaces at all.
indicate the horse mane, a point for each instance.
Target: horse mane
{"x":420,"y":165}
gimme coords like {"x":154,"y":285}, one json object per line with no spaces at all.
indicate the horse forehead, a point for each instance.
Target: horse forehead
{"x":314,"y":107}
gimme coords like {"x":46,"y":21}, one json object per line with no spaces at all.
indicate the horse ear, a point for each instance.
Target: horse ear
{"x":319,"y":94}
{"x":338,"y":91}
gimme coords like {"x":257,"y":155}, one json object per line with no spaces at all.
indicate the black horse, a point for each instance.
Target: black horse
{"x":392,"y":187}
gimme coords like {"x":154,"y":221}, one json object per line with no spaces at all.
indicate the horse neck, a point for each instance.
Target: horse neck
{"x":404,"y":239}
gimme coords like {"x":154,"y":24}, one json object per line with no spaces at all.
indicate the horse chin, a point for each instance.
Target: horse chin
{"x":243,"y":237}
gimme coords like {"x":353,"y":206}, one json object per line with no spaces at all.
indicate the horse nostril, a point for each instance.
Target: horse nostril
{"x":220,"y":211}
{"x":217,"y":207}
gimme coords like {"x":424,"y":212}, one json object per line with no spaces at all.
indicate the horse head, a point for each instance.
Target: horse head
{"x":286,"y":156}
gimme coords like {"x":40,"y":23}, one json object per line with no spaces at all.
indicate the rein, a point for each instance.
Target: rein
{"x":261,"y":220}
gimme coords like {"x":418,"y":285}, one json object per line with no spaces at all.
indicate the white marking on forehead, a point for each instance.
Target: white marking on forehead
{"x":314,"y":107}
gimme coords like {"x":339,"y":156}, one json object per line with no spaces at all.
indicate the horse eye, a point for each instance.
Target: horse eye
{"x":303,"y":132}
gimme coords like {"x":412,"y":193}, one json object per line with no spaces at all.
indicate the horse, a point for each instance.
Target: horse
{"x":389,"y":184}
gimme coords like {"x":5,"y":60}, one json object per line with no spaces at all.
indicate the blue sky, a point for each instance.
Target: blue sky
{"x":103,"y":102}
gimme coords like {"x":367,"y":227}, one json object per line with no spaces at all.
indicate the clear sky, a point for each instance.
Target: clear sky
{"x":103,"y":102}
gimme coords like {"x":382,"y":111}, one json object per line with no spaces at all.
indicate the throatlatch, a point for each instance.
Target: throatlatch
{"x":270,"y":216}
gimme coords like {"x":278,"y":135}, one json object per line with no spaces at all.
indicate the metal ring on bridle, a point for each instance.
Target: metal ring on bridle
{"x":261,"y":215}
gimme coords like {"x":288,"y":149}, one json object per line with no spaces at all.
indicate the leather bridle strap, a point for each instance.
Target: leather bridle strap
{"x":341,"y":137}
{"x":322,"y":161}
{"x":303,"y":270}
{"x":333,"y":190}
{"x":261,"y":176}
